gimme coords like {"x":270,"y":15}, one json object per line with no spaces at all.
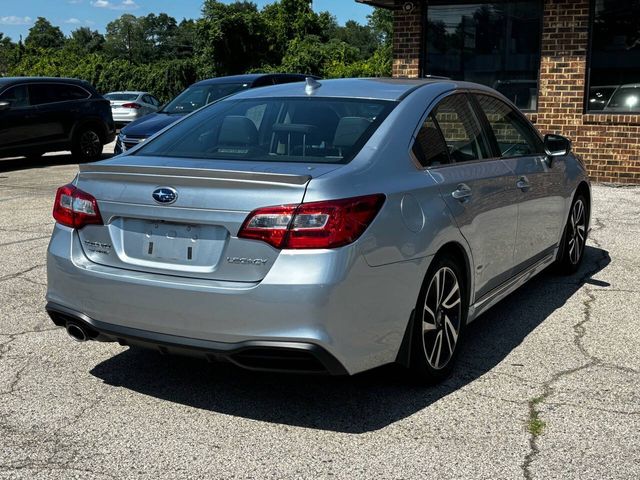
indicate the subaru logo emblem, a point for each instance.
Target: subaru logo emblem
{"x":165,"y":195}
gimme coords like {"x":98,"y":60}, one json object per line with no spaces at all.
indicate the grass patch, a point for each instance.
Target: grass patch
{"x":536,"y":424}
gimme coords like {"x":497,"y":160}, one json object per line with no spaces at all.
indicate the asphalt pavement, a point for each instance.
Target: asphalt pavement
{"x":548,"y":385}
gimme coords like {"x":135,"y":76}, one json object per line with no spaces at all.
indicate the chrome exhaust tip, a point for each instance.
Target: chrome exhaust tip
{"x":77,"y":332}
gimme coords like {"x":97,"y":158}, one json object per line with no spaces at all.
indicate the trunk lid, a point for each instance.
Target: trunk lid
{"x":194,"y":236}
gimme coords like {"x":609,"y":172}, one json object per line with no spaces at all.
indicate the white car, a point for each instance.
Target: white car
{"x":129,"y":106}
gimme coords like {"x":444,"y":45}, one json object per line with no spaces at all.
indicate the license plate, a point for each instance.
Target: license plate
{"x":169,"y":241}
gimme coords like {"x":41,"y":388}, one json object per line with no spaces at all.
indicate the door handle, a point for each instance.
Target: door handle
{"x":462,"y":193}
{"x":523,"y":184}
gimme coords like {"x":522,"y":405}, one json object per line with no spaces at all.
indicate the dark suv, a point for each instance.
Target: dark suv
{"x":197,"y":95}
{"x":39,"y":115}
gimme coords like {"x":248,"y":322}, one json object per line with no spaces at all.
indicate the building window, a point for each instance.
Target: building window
{"x":615,"y":57}
{"x":496,"y":44}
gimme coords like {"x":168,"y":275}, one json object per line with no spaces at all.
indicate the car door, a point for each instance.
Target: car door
{"x":55,"y":110}
{"x":538,"y":182}
{"x":18,"y":124}
{"x":477,"y":191}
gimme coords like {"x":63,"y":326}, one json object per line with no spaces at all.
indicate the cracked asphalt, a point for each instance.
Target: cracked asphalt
{"x":548,"y":385}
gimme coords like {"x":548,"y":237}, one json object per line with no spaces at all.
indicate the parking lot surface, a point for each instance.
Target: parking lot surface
{"x":548,"y":385}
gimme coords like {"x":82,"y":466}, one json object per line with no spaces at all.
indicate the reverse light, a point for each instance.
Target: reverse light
{"x":75,"y":208}
{"x":327,"y":224}
{"x":131,"y":105}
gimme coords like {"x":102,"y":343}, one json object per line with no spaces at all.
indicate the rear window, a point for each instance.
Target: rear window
{"x":126,"y":97}
{"x":313,"y":130}
{"x":195,"y":97}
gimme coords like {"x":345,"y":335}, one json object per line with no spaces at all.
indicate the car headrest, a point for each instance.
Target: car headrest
{"x":238,"y":130}
{"x":349,"y":130}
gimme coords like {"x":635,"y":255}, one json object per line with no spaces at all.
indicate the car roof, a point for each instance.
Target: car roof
{"x":247,"y":78}
{"x":128,"y":92}
{"x":393,"y":89}
{"x":11,"y":80}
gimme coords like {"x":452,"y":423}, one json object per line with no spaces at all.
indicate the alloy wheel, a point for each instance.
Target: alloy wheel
{"x":90,"y":144}
{"x":441,"y":318}
{"x":578,"y":233}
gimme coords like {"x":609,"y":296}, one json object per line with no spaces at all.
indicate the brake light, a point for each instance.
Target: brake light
{"x":131,"y":105}
{"x":328,"y":224}
{"x":75,"y":208}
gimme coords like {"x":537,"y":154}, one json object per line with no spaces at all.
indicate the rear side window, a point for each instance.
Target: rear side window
{"x":314,"y":130}
{"x":17,"y":96}
{"x":53,"y":93}
{"x":460,"y":129}
{"x":429,"y":147}
{"x":514,"y":136}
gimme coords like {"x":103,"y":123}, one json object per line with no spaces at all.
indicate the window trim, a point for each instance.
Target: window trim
{"x":422,"y":56}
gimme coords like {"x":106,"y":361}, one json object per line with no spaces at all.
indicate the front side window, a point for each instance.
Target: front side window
{"x":199,"y":96}
{"x":615,"y":57}
{"x":460,"y":129}
{"x":17,"y":96}
{"x":314,"y":130}
{"x":514,"y":137}
{"x":496,"y":44}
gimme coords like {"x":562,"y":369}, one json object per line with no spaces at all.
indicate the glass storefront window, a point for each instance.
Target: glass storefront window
{"x":494,"y":43}
{"x":615,"y":57}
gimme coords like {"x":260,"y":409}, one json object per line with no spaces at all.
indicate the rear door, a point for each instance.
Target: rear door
{"x":477,"y":190}
{"x":537,"y":182}
{"x":58,"y":107}
{"x":18,"y":124}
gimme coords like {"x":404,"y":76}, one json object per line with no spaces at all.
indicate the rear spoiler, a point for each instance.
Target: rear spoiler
{"x":98,"y":169}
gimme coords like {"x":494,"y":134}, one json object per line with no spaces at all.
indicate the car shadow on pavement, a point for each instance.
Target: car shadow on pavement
{"x":23,"y":163}
{"x":358,"y":404}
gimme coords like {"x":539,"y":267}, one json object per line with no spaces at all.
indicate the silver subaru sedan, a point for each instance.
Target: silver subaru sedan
{"x":326,"y":227}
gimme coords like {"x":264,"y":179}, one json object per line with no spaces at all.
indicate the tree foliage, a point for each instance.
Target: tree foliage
{"x":158,"y":54}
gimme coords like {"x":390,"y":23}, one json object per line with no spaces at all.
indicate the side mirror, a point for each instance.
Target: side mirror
{"x":557,"y":145}
{"x":4,"y":106}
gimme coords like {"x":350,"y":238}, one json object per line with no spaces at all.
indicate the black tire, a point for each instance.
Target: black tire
{"x":87,"y":145}
{"x":574,"y":238}
{"x":439,"y":321}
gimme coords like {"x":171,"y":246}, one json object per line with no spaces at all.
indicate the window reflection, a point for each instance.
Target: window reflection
{"x":615,"y":57}
{"x":496,"y":44}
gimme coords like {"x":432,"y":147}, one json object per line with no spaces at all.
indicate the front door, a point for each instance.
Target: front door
{"x":478,"y":192}
{"x":537,"y":181}
{"x":17,"y":124}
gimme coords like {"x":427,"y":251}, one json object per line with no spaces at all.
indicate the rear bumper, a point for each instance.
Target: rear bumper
{"x":331,"y":300}
{"x":297,"y":357}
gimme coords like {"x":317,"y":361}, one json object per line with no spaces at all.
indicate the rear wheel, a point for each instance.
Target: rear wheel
{"x":441,"y":314}
{"x":87,"y":145}
{"x":574,"y":238}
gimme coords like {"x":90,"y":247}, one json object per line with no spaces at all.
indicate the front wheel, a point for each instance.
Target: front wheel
{"x":87,"y":145}
{"x":574,"y":239}
{"x":439,"y":321}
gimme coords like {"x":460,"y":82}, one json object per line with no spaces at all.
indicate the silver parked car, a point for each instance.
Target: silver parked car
{"x":129,"y":106}
{"x":330,"y":226}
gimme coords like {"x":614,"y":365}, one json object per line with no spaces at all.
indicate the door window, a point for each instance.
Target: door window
{"x":429,"y":147}
{"x":460,"y":128}
{"x":17,"y":96}
{"x":513,"y":135}
{"x":44,"y":93}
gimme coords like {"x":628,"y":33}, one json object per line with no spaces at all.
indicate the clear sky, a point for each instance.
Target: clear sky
{"x":17,"y":16}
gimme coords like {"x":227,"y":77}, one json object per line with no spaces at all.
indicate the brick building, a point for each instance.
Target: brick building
{"x":573,"y":66}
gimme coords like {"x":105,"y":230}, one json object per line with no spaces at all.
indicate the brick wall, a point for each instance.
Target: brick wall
{"x":407,"y":40}
{"x":609,"y":144}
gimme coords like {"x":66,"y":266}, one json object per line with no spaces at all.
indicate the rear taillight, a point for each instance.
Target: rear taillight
{"x":328,"y":224}
{"x":131,"y":105}
{"x":75,"y":208}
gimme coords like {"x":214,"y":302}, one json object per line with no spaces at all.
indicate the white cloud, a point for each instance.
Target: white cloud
{"x":123,"y":5}
{"x":73,"y":21}
{"x":74,"y":2}
{"x":13,"y":20}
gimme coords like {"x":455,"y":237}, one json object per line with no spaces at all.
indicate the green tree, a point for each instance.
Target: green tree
{"x":8,"y":54}
{"x":84,"y":41}
{"x":44,"y":35}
